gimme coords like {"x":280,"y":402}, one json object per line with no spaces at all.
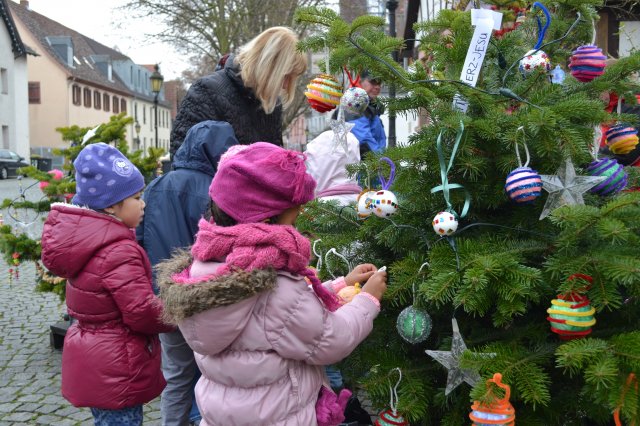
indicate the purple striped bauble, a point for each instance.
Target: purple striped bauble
{"x":523,"y":185}
{"x":616,"y":176}
{"x":587,"y":63}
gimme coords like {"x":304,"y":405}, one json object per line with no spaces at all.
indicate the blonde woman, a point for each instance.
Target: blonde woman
{"x":249,"y":92}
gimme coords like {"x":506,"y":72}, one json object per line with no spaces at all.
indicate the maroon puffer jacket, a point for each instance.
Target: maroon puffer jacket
{"x":111,"y":356}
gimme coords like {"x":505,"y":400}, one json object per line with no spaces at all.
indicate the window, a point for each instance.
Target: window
{"x":116,"y":105}
{"x":34,"y":92}
{"x":4,"y":81}
{"x":97,"y":98}
{"x":144,"y":114}
{"x":87,"y":97}
{"x":106,"y":102}
{"x":123,"y":105}
{"x":75,"y":94}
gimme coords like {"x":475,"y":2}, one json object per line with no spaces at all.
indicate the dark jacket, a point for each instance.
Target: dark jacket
{"x":111,"y":357}
{"x":176,"y":201}
{"x":222,"y":96}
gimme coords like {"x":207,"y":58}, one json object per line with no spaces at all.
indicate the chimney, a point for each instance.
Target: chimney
{"x":25,"y":4}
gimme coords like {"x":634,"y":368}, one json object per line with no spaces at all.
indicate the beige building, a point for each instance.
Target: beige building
{"x":77,"y":81}
{"x":14,"y":109}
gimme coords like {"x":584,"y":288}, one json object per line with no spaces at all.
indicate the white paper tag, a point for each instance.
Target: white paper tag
{"x":485,"y":22}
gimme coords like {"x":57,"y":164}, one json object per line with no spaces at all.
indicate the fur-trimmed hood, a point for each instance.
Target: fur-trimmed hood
{"x":185,"y":300}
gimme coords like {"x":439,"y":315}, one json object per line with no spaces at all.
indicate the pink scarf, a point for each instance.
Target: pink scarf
{"x":258,"y":246}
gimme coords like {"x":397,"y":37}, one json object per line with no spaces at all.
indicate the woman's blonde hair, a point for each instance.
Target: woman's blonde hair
{"x":270,"y":65}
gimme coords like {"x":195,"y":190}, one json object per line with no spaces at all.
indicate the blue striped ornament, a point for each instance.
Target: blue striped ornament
{"x":616,"y":176}
{"x":523,"y":185}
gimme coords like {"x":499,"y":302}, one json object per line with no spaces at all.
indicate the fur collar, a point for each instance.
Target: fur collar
{"x":183,"y":301}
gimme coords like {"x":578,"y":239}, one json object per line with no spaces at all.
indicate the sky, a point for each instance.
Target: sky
{"x":99,"y":19}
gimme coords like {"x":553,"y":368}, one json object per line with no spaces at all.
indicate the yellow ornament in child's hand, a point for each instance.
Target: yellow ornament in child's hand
{"x":348,"y":293}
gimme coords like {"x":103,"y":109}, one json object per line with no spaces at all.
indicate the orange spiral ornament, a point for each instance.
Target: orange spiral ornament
{"x":497,"y":412}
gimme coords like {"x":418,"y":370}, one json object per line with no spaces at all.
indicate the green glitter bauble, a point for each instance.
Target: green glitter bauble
{"x":414,"y":325}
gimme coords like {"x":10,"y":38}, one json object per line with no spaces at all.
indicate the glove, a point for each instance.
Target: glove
{"x":330,"y":407}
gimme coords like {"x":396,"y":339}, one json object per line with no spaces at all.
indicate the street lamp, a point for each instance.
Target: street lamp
{"x":156,"y":85}
{"x":136,"y":127}
{"x":392,"y":5}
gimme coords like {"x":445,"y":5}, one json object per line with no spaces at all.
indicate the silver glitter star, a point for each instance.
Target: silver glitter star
{"x":451,"y":361}
{"x":340,"y":130}
{"x":565,"y":188}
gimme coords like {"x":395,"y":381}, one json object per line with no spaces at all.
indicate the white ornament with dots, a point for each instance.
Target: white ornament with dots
{"x":385,"y":203}
{"x":445,"y":223}
{"x":365,"y":204}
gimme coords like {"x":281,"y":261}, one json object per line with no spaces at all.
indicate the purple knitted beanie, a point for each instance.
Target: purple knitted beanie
{"x":104,"y":177}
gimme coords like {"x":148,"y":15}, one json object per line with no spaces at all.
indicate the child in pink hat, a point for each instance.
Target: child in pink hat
{"x":260,"y":334}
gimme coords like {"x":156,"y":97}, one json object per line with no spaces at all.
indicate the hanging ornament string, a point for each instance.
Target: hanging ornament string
{"x":597,"y":137}
{"x":393,"y":401}
{"x":446,"y":187}
{"x":341,"y":256}
{"x":386,"y":184}
{"x":619,"y":108}
{"x":413,"y":285}
{"x":526,"y":149}
{"x":542,"y":30}
{"x":317,"y":254}
{"x":631,"y":378}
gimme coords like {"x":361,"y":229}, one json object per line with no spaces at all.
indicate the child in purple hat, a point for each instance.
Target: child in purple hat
{"x":111,"y":357}
{"x":261,"y":335}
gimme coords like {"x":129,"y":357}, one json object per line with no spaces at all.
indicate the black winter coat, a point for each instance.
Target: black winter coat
{"x":222,"y":96}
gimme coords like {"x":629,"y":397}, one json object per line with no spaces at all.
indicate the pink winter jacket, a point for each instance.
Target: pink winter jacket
{"x":260,"y":339}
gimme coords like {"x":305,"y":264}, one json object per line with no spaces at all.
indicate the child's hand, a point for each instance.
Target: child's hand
{"x":360,"y":274}
{"x":377,"y":284}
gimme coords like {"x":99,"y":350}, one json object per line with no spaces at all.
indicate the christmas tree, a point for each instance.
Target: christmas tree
{"x":16,"y":243}
{"x":525,"y":291}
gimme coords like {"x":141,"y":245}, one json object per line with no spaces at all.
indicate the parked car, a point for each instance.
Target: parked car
{"x":10,"y":162}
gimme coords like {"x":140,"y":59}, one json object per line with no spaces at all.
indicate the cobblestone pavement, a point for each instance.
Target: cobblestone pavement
{"x":29,"y":366}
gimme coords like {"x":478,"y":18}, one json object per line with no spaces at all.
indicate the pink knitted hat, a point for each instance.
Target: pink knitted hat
{"x":261,"y":181}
